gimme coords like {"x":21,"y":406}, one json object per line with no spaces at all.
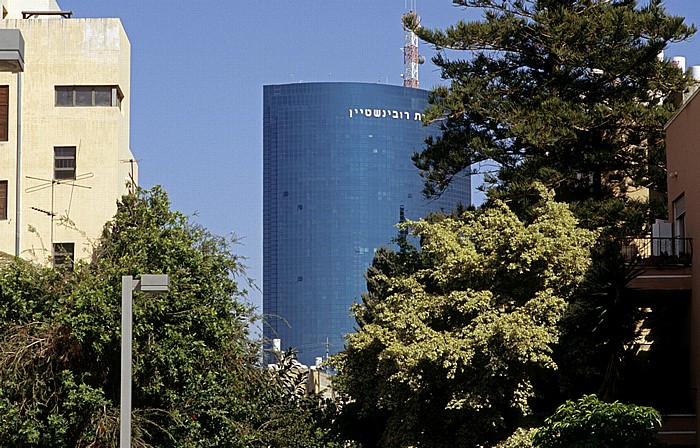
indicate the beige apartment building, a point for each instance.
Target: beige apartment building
{"x":64,"y":129}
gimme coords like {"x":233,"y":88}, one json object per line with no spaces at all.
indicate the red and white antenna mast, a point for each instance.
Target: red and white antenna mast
{"x":411,"y":58}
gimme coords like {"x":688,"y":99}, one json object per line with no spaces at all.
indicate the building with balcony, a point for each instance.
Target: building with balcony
{"x":64,"y":129}
{"x":338,"y":176}
{"x":669,"y":281}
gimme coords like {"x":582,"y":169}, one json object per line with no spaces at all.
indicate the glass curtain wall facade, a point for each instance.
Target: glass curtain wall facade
{"x":337,"y":176}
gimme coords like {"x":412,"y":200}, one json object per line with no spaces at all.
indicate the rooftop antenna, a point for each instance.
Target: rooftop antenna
{"x":411,"y":58}
{"x":51,"y":183}
{"x":132,"y":180}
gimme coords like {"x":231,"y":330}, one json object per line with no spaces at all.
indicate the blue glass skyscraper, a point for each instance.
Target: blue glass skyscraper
{"x":337,"y":175}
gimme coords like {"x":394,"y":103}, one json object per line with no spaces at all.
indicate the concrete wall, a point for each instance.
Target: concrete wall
{"x":66,"y":52}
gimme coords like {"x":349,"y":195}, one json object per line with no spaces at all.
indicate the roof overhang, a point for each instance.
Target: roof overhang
{"x":11,"y":51}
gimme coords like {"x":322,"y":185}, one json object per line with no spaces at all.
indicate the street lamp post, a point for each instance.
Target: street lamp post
{"x":147,"y":283}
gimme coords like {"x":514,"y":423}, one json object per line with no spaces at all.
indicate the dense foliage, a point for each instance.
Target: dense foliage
{"x":457,"y":342}
{"x":573,"y":94}
{"x":196,"y":373}
{"x":454,"y":339}
{"x":591,"y":423}
{"x":570,"y":93}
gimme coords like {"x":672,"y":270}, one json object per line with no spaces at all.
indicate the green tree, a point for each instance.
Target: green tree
{"x":453,"y":348}
{"x":569,"y":93}
{"x":197,"y":378}
{"x":591,"y":423}
{"x":521,"y":438}
{"x":599,"y":327}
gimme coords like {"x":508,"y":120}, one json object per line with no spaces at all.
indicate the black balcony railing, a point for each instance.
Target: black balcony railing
{"x":654,"y":250}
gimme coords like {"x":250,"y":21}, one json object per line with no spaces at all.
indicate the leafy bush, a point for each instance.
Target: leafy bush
{"x":591,"y":423}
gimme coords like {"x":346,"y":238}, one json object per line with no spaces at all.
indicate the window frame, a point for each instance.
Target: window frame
{"x":115,"y":97}
{"x":4,"y":113}
{"x":63,"y":255}
{"x":61,"y":169}
{"x":4,"y":189}
{"x":679,"y":229}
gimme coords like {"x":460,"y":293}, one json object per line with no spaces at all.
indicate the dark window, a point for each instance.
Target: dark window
{"x":103,"y":96}
{"x":64,"y":96}
{"x":3,"y":199}
{"x":4,"y":112}
{"x":64,"y":162}
{"x":85,"y":96}
{"x":63,"y":255}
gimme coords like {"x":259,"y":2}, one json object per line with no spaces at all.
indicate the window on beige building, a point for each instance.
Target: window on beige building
{"x":63,"y":255}
{"x":88,"y":96}
{"x":4,"y":112}
{"x":64,"y":162}
{"x":3,"y":199}
{"x":679,"y":226}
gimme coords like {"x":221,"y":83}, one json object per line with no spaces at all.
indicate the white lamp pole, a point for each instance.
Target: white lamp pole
{"x":148,"y":283}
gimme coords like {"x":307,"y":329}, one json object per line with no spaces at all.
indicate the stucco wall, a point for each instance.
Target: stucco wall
{"x":683,"y":163}
{"x":66,"y":52}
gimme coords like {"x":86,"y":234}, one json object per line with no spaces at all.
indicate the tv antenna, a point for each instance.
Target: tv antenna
{"x":132,"y":181}
{"x":51,"y":183}
{"x":411,"y":58}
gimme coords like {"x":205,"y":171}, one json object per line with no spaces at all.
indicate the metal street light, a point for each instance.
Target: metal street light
{"x":147,"y":283}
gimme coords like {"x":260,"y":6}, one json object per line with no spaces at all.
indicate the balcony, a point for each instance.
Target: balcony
{"x":661,"y":264}
{"x":658,"y":251}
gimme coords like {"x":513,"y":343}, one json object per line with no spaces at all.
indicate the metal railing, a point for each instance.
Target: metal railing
{"x":654,"y":250}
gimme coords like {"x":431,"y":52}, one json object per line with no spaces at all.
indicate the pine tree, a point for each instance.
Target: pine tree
{"x":573,"y":94}
{"x":570,"y":93}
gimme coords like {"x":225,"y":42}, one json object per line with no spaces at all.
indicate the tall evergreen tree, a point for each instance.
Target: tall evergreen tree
{"x":570,"y":93}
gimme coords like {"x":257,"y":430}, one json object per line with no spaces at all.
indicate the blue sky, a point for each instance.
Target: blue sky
{"x":196,"y":89}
